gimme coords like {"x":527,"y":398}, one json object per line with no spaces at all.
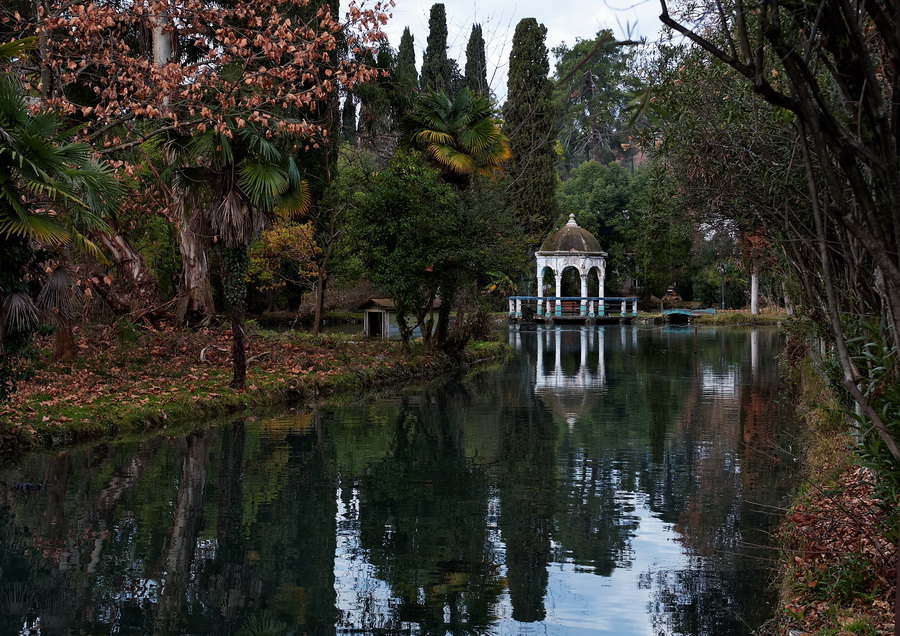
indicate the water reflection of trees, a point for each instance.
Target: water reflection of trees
{"x":423,"y":519}
{"x":731,"y":461}
{"x":458,"y":499}
{"x":156,"y":538}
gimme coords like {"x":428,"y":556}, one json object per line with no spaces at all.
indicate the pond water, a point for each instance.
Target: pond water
{"x":604,"y":480}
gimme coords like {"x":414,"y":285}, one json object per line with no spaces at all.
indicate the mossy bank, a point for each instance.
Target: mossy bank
{"x":123,"y":384}
{"x":836,"y":573}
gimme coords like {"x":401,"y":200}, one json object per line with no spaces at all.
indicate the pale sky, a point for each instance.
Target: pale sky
{"x":565,"y":20}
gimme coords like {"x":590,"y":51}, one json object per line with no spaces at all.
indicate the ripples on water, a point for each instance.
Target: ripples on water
{"x":605,"y":480}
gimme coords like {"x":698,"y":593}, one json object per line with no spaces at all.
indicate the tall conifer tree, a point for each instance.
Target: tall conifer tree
{"x":406,"y":59}
{"x":405,"y":77}
{"x":529,"y":125}
{"x":436,"y":67}
{"x":348,"y":120}
{"x":476,"y":62}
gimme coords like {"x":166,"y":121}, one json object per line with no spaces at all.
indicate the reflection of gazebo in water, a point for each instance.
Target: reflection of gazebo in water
{"x":569,"y":372}
{"x":573,"y":247}
{"x":571,"y":393}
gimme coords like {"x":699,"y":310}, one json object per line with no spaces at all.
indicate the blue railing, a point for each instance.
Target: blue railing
{"x":574,"y":306}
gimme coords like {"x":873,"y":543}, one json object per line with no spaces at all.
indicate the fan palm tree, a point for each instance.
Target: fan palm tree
{"x":460,"y":135}
{"x":244,"y":177}
{"x":51,"y":189}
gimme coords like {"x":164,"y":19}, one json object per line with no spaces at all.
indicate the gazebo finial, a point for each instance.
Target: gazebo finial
{"x":572,"y":222}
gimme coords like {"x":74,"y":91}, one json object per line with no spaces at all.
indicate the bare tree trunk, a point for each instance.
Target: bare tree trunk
{"x":754,"y":291}
{"x":319,"y":311}
{"x":193,"y":285}
{"x":46,"y":88}
{"x":897,"y":592}
{"x":138,"y":279}
{"x":162,"y":40}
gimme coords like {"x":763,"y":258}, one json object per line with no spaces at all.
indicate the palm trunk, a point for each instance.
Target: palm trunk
{"x":138,"y":279}
{"x":234,"y":268}
{"x":238,"y":346}
{"x":64,"y":341}
{"x":193,"y":286}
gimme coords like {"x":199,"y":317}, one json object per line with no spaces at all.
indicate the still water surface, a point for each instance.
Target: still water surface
{"x":605,"y":480}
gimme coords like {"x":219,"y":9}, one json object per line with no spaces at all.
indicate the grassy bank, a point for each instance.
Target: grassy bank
{"x":127,"y":380}
{"x":836,"y":577}
{"x":737,"y":317}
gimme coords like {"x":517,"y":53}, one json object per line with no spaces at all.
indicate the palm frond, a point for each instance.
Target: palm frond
{"x":60,"y":298}
{"x":293,"y":170}
{"x":45,"y":124}
{"x":295,"y":200}
{"x":84,"y":245}
{"x":477,"y":138}
{"x":261,"y":146}
{"x":19,"y":312}
{"x":37,"y":226}
{"x":101,"y":192}
{"x":453,"y":160}
{"x":223,"y":151}
{"x":428,"y":137}
{"x":262,"y":182}
{"x":10,"y":50}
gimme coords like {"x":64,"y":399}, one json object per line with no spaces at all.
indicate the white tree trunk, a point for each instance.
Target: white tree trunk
{"x":162,"y":45}
{"x":754,"y":291}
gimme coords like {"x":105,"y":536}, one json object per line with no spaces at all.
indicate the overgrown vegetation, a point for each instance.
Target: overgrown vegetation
{"x":838,"y":557}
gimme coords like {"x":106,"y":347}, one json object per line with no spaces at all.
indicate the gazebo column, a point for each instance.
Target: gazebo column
{"x":558,"y":309}
{"x":584,"y":293}
{"x":601,"y":290}
{"x":540,"y":290}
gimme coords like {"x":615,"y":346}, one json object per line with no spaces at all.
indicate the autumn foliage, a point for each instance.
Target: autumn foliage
{"x":180,"y":64}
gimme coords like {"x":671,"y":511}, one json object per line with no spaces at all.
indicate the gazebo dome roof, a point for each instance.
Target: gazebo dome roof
{"x":571,"y":238}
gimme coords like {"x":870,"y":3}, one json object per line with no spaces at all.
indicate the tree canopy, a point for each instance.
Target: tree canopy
{"x":529,"y":125}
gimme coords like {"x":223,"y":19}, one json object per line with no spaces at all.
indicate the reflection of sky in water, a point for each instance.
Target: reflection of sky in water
{"x":577,"y":602}
{"x":584,"y":603}
{"x":355,"y":582}
{"x":719,"y":383}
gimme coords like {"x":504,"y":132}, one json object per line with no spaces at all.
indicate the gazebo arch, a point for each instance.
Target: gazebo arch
{"x":571,"y":246}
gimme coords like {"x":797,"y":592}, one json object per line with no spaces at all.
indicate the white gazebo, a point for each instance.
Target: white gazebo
{"x":571,"y":246}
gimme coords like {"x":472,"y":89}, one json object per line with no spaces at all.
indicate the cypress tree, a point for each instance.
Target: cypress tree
{"x":405,"y":78}
{"x":476,"y":62}
{"x":348,"y":120}
{"x":406,"y":60}
{"x":436,"y":67}
{"x":529,"y":125}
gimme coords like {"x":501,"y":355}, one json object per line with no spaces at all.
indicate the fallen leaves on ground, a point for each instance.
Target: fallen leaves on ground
{"x":158,"y":364}
{"x":843,"y":567}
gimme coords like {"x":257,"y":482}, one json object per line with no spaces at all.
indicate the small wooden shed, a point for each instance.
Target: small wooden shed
{"x":380,"y":318}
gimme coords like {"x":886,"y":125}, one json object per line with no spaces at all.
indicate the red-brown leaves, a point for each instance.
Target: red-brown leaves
{"x":283,"y":61}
